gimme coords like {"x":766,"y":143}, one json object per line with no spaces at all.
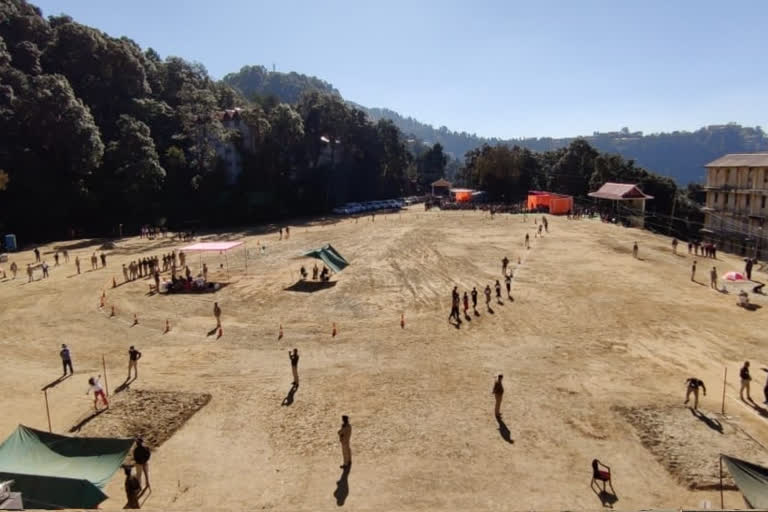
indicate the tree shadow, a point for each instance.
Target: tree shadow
{"x":56,"y":382}
{"x":125,"y":386}
{"x":710,"y":422}
{"x":342,"y":487}
{"x":504,"y":431}
{"x":288,"y":400}
{"x":87,"y":419}
{"x":305,"y":286}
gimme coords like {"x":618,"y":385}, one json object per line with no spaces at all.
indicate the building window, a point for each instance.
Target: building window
{"x":717,"y":196}
{"x":763,"y":203}
{"x":747,"y":199}
{"x":725,"y":199}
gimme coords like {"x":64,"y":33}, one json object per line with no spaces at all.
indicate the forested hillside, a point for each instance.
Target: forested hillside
{"x":255,"y":82}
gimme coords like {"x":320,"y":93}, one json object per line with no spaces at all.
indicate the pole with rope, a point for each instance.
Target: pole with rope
{"x":106,"y":382}
{"x":47,"y":410}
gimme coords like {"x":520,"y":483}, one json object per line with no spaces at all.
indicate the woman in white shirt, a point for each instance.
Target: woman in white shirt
{"x":94,"y":384}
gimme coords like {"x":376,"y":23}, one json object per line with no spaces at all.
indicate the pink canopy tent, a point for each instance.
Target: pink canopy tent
{"x":215,"y":246}
{"x":735,"y":276}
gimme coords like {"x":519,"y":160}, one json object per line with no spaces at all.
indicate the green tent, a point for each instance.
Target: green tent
{"x":53,"y":471}
{"x":751,"y":479}
{"x":330,"y":257}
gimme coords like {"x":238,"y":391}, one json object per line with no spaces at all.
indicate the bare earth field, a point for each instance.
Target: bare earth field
{"x":594,"y":350}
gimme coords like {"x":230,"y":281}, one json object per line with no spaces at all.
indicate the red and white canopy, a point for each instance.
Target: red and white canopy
{"x":211,"y":246}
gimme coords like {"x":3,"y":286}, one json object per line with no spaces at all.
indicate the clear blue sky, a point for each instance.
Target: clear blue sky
{"x":495,"y":68}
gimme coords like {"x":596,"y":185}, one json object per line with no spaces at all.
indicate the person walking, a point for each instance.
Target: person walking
{"x":132,"y":489}
{"x":133,"y":362}
{"x":634,"y":250}
{"x":141,"y":455}
{"x":504,"y":264}
{"x":508,"y":283}
{"x":466,"y":303}
{"x":66,"y":359}
{"x":692,"y":386}
{"x":497,"y":286}
{"x":713,"y":278}
{"x":487,"y":292}
{"x":693,"y":271}
{"x":746,"y":379}
{"x":474,"y":298}
{"x":498,"y":395}
{"x":94,"y":384}
{"x":217,"y":313}
{"x":294,"y":357}
{"x":345,"y":433}
{"x":454,"y":307}
{"x":205,"y":272}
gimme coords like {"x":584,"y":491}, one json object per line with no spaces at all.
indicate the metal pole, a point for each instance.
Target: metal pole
{"x":725,"y":375}
{"x":245,"y":251}
{"x":47,"y":410}
{"x":722,"y":506}
{"x":106,"y":382}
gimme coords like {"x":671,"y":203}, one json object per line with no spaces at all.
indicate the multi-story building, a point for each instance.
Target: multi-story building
{"x":737,"y":203}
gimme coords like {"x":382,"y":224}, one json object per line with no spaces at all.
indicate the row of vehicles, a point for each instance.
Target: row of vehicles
{"x":370,"y":206}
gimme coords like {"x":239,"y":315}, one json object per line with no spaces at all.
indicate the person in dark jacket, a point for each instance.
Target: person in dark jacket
{"x":132,"y":489}
{"x":141,"y":455}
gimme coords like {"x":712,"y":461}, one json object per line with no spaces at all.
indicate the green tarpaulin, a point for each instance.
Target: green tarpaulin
{"x":53,"y":471}
{"x":330,"y":257}
{"x":751,"y":479}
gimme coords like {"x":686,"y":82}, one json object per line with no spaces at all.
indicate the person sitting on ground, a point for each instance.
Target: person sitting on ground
{"x":303,"y":273}
{"x":325,"y":274}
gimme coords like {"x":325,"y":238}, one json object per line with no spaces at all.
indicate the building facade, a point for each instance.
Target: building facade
{"x":737,"y":203}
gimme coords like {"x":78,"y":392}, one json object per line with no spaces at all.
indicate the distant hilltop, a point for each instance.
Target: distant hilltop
{"x":681,"y":155}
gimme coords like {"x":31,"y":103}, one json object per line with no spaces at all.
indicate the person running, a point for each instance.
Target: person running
{"x":133,"y":362}
{"x":474,"y":298}
{"x":504,"y":264}
{"x":294,"y":358}
{"x":66,"y":359}
{"x":746,"y":379}
{"x":132,"y":489}
{"x":693,"y":270}
{"x":713,"y":278}
{"x":94,"y":384}
{"x":692,"y":386}
{"x":498,"y":394}
{"x":634,"y":250}
{"x":508,"y":283}
{"x":345,"y":433}
{"x":217,"y":313}
{"x":466,"y":303}
{"x":141,"y":455}
{"x":497,"y":286}
{"x":488,"y":296}
{"x":77,"y":263}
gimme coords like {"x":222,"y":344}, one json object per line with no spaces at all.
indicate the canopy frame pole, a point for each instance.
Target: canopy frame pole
{"x":106,"y":382}
{"x":722,"y":507}
{"x":245,"y":254}
{"x":226,"y":264}
{"x":725,"y":376}
{"x":47,"y":410}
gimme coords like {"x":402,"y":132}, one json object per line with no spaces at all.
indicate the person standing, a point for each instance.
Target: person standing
{"x":690,"y":247}
{"x":66,"y":256}
{"x":634,"y":250}
{"x":345,"y":433}
{"x":454,"y":307}
{"x":37,"y":255}
{"x":504,"y":264}
{"x":487,"y":292}
{"x":474,"y":298}
{"x":498,"y":394}
{"x":281,"y":233}
{"x":748,"y":268}
{"x":133,"y":362}
{"x":205,"y":272}
{"x":66,"y":359}
{"x":217,"y":313}
{"x":132,"y":489}
{"x":692,"y":386}
{"x":674,"y":246}
{"x":508,"y":283}
{"x":693,"y":270}
{"x":287,"y":232}
{"x":94,"y":384}
{"x":30,"y":272}
{"x":77,"y":263}
{"x":141,"y":455}
{"x":45,"y":269}
{"x":294,"y":357}
{"x":14,"y":269}
{"x":56,"y":259}
{"x":713,"y":278}
{"x":746,"y":379}
{"x":466,"y":303}
{"x":497,"y":286}
{"x":527,"y":241}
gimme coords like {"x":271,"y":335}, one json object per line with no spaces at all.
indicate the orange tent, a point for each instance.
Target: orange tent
{"x":557,"y":204}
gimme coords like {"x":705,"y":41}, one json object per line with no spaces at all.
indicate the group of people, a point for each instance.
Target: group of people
{"x":693,"y":385}
{"x":457,"y":301}
{"x":143,"y":267}
{"x":698,"y":248}
{"x":323,"y":275}
{"x":152,"y":232}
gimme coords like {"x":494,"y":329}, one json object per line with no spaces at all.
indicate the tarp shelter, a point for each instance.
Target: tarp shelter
{"x":217,"y":247}
{"x":462,"y":195}
{"x":751,"y":479}
{"x":557,"y":204}
{"x":53,"y":471}
{"x":329,"y":256}
{"x":441,"y":187}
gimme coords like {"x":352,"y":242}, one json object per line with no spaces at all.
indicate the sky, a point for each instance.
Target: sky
{"x":496,"y":68}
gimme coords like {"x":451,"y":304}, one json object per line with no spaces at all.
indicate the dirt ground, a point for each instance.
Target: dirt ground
{"x":591,"y":330}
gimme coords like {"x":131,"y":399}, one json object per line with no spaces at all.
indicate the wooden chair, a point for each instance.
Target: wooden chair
{"x":601,"y":473}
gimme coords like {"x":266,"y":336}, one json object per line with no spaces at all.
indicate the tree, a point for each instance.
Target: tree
{"x":431,"y":166}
